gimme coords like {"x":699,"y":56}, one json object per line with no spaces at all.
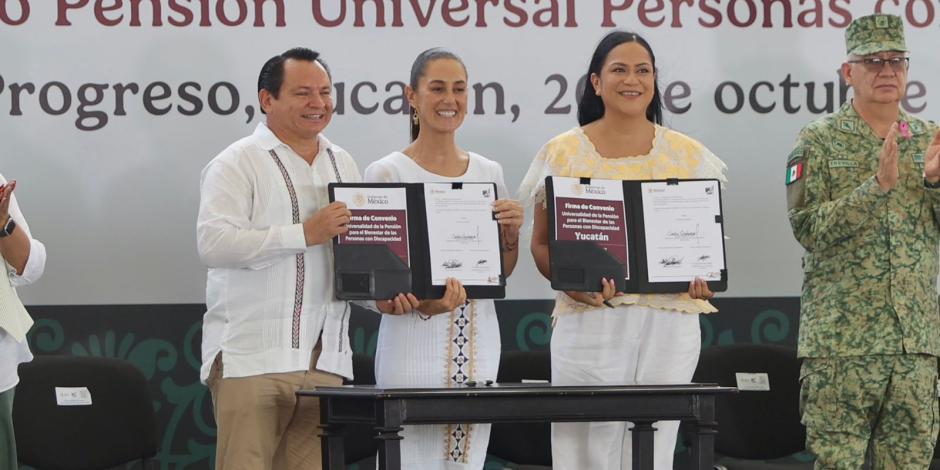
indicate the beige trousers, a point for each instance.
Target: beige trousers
{"x":261,"y":423}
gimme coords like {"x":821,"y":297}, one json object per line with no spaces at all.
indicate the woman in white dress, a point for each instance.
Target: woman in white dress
{"x":448,"y":341}
{"x":609,"y":336}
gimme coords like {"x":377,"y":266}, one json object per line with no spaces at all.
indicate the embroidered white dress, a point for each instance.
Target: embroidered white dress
{"x":444,"y":350}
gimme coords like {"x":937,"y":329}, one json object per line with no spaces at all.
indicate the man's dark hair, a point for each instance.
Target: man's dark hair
{"x":272,"y":72}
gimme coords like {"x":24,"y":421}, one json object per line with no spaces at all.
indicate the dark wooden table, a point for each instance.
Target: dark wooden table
{"x":390,"y":408}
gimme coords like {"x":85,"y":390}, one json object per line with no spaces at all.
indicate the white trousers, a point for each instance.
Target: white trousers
{"x":623,"y":345}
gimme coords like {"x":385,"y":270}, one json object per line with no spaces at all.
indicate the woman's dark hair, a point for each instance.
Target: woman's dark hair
{"x":590,"y":106}
{"x":418,"y":68}
{"x":271,"y":76}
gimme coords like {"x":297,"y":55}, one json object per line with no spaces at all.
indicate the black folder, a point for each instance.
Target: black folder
{"x":369,"y":272}
{"x":580,"y":265}
{"x":375,"y":272}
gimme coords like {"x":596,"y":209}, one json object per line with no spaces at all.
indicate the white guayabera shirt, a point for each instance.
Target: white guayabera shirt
{"x":268,"y":295}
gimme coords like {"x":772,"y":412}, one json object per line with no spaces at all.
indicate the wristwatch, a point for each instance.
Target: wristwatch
{"x":8,"y":229}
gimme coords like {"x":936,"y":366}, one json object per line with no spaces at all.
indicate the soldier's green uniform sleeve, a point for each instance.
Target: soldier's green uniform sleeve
{"x":818,"y":221}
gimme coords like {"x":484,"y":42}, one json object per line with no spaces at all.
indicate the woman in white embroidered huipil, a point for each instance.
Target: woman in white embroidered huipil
{"x":445,"y":341}
{"x":643,"y":338}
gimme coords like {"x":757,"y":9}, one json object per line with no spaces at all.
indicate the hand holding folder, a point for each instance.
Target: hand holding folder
{"x":597,"y":299}
{"x":454,"y":296}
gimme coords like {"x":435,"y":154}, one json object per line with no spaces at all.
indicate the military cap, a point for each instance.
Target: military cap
{"x":875,"y":33}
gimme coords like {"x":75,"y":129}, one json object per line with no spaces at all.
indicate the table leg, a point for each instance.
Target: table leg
{"x":331,"y":440}
{"x":703,"y":434}
{"x":388,"y":419}
{"x":643,"y":444}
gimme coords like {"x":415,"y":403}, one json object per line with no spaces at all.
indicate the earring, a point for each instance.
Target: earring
{"x":414,"y":116}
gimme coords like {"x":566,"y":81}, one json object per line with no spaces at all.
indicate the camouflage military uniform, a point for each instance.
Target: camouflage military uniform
{"x":869,"y":326}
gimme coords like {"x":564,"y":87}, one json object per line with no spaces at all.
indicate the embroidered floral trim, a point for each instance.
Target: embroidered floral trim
{"x":299,"y":259}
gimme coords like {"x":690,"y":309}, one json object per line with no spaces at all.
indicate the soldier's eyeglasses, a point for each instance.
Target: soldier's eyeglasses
{"x":877,"y":64}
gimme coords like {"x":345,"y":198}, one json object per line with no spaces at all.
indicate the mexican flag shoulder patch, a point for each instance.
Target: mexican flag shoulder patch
{"x":794,"y":172}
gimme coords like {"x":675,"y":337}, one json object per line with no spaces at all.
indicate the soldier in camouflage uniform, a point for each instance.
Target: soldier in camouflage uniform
{"x":863,"y":192}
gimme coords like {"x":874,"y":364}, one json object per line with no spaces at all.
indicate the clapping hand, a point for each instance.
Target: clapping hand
{"x":6,"y":195}
{"x":888,"y":160}
{"x":932,"y":161}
